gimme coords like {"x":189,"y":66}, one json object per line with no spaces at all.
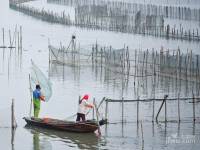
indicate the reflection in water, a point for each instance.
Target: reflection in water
{"x":36,"y":145}
{"x":13,"y":138}
{"x":40,"y":143}
{"x":82,"y":141}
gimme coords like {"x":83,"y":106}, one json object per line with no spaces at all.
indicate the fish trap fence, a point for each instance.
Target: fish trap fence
{"x":136,"y":23}
{"x":95,"y":56}
{"x":153,"y":109}
{"x":131,"y":62}
{"x":173,"y":12}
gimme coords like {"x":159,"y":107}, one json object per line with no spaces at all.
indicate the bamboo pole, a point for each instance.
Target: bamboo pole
{"x":10,"y":39}
{"x":18,"y":43}
{"x":166,"y":110}
{"x":138,"y":111}
{"x":21,"y":38}
{"x":30,"y":88}
{"x":3,"y":37}
{"x":135,"y":66}
{"x":153,"y":100}
{"x":179,"y":118}
{"x":97,"y":116}
{"x":194,"y":118}
{"x":106,"y":110}
{"x":164,"y":100}
{"x":79,"y":99}
{"x":13,"y":121}
{"x":15,"y":38}
{"x":122,"y":109}
{"x":93,"y":109}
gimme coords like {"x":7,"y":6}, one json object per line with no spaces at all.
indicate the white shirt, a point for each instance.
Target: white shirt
{"x":82,"y":108}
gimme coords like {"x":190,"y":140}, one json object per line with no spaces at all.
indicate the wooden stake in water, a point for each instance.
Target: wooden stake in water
{"x":179,"y":118}
{"x":122,"y":109}
{"x":3,"y":37}
{"x":21,"y":38}
{"x":10,"y":39}
{"x":165,"y":110}
{"x":13,"y":121}
{"x":138,"y":110}
{"x":30,"y":112}
{"x":79,"y":99}
{"x":93,"y":109}
{"x":18,"y":44}
{"x":193,"y":99}
{"x":164,"y":100}
{"x":106,"y":110}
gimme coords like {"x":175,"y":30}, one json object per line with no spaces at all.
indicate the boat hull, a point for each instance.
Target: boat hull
{"x":80,"y":127}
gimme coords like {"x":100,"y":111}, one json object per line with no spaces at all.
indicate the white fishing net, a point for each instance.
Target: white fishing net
{"x":38,"y":77}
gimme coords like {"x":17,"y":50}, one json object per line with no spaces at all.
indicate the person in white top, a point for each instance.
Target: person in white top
{"x":83,"y":108}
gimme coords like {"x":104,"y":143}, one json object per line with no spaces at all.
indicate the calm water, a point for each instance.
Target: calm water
{"x":67,"y":88}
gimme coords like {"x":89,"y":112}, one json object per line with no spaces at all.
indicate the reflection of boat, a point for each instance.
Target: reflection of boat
{"x":82,"y":141}
{"x":71,"y":126}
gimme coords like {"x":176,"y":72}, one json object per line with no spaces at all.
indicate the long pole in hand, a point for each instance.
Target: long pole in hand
{"x":30,"y":95}
{"x":99,"y":129}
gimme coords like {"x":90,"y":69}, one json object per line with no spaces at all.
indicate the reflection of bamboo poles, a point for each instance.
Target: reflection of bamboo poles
{"x":142,"y":135}
{"x":12,"y":138}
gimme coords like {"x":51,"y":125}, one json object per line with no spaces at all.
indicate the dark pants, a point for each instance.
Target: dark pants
{"x":80,"y":117}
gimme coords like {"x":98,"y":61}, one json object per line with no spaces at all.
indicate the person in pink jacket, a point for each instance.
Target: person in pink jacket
{"x":83,"y":107}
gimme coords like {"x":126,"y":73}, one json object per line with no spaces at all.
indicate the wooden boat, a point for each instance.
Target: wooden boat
{"x":70,"y":126}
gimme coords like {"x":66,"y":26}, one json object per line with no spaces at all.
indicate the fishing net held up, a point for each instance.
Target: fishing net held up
{"x":38,"y":77}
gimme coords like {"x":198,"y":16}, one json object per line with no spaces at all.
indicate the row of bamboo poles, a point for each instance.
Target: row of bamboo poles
{"x":44,"y":15}
{"x":108,"y":60}
{"x":137,"y":24}
{"x":149,"y":62}
{"x":20,"y":1}
{"x":174,"y":12}
{"x":96,"y":18}
{"x":163,"y":101}
{"x":15,"y":39}
{"x":176,"y":67}
{"x":12,"y":49}
{"x":133,"y":62}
